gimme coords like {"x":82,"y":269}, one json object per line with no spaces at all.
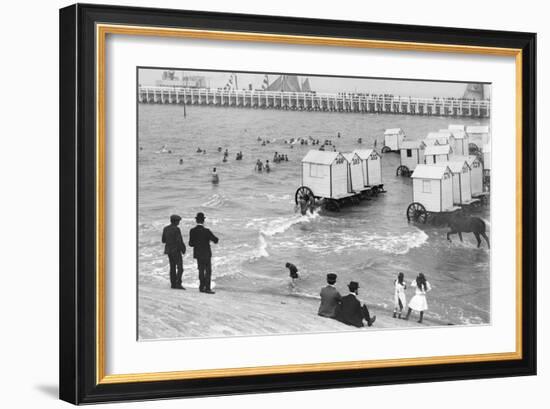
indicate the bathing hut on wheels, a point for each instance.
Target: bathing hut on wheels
{"x":462,"y":142}
{"x":462,"y":193}
{"x":443,"y":137}
{"x":479,"y":132}
{"x":432,"y":193}
{"x":437,"y":153}
{"x":371,"y":165}
{"x":412,"y":154}
{"x":332,"y":180}
{"x":392,"y":139}
{"x":355,"y":172}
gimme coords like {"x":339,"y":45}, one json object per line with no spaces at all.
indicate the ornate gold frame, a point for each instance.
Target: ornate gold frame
{"x":102,"y":30}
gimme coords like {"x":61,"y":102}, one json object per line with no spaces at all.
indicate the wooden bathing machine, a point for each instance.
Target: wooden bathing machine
{"x":326,"y":174}
{"x":480,"y":132}
{"x":437,"y":153}
{"x":462,"y":193}
{"x":356,"y":181}
{"x":443,"y":137}
{"x":476,"y":172}
{"x":371,"y":165}
{"x":462,"y":142}
{"x":411,"y":154}
{"x":392,"y":139}
{"x":433,"y":188}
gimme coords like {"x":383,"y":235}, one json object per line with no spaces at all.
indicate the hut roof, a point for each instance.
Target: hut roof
{"x":320,"y":157}
{"x":456,"y":127}
{"x":458,"y":134}
{"x":468,"y":158}
{"x":437,"y":150}
{"x":364,"y":153}
{"x":393,"y":131}
{"x":412,"y":144}
{"x":477,"y":129}
{"x":430,"y":142}
{"x":455,"y":166}
{"x":429,"y":171}
{"x":446,"y":132}
{"x":349,"y":155}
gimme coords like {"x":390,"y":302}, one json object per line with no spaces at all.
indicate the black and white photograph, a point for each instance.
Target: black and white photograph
{"x":284,"y":203}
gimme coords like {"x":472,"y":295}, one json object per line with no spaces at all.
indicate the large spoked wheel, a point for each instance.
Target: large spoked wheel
{"x":332,"y":205}
{"x":473,"y":149}
{"x":386,"y":149}
{"x":303,"y":193}
{"x":403,"y":171}
{"x":417,"y":213}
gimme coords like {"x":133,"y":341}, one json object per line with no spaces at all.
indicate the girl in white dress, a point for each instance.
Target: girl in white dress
{"x":399,"y":297}
{"x":419,"y":302}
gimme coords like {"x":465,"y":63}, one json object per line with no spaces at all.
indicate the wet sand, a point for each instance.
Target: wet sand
{"x":168,"y":314}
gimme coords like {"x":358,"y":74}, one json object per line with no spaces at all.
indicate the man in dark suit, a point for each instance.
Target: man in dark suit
{"x":351,"y":312}
{"x":174,"y":248}
{"x":330,"y":298}
{"x":200,"y":238}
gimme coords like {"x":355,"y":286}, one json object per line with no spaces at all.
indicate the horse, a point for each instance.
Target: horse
{"x":467,"y":224}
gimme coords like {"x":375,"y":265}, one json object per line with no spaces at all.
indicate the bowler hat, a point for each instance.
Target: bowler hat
{"x":331,"y":278}
{"x":353,"y":286}
{"x":174,"y":218}
{"x":199,"y":217}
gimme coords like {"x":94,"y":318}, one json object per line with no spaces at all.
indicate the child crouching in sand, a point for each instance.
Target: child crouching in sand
{"x":293,"y":273}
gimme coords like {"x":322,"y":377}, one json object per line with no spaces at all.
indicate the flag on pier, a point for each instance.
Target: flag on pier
{"x":231,"y":83}
{"x":265,"y":83}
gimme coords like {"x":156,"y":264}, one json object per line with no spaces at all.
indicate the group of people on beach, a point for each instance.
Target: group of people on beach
{"x":418,"y":303}
{"x":174,"y":247}
{"x":351,"y":311}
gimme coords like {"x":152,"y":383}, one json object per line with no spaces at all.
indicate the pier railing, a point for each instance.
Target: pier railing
{"x":312,"y":101}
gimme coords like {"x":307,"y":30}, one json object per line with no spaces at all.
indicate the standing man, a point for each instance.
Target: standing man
{"x":174,"y":248}
{"x":352,"y":312}
{"x":330,"y":298}
{"x":200,"y":238}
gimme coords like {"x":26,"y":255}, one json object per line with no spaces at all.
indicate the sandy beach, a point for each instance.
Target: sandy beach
{"x":168,"y":314}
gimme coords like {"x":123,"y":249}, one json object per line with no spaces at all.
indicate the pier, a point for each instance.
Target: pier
{"x":311,"y":101}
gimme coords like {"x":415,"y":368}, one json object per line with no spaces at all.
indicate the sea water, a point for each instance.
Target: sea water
{"x":254,"y":217}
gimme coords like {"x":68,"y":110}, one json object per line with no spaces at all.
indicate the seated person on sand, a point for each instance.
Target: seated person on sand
{"x":293,"y":273}
{"x":330,"y":298}
{"x":351,"y":312}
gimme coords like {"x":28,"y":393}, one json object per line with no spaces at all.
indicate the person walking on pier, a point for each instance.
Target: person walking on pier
{"x":174,"y":248}
{"x":200,"y":238}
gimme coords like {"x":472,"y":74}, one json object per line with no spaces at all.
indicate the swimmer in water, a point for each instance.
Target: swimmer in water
{"x":215,"y":177}
{"x":199,"y":150}
{"x":181,"y":161}
{"x":259,"y":165}
{"x":224,"y":159}
{"x":267,"y":168}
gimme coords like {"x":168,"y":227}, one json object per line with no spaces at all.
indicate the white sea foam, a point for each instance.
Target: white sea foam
{"x":342,"y":242}
{"x":215,"y":201}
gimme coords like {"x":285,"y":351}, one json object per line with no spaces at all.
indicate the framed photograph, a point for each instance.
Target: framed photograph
{"x":257,"y":203}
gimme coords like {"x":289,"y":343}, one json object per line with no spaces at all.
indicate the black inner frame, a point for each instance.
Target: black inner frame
{"x":78,"y":212}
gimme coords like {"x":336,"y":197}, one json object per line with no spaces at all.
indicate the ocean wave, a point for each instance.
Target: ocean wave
{"x":214,"y":201}
{"x":271,"y":227}
{"x":342,"y":242}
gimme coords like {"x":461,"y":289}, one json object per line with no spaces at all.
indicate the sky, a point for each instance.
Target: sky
{"x":325,"y":84}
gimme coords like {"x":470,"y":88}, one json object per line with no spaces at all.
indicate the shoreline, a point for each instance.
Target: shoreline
{"x":164,"y":313}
